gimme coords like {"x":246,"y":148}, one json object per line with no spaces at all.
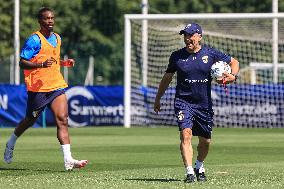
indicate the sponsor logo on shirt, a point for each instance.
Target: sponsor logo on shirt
{"x":196,"y":80}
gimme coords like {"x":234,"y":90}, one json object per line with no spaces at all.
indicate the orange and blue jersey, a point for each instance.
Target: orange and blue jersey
{"x":38,"y":49}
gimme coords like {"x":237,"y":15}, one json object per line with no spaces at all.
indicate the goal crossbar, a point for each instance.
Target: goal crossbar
{"x":203,"y":16}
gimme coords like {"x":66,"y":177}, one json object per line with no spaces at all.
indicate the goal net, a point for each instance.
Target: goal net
{"x":256,"y":100}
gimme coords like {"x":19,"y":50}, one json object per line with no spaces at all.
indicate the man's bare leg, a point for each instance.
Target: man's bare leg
{"x":19,"y":130}
{"x":60,"y":110}
{"x":187,"y":153}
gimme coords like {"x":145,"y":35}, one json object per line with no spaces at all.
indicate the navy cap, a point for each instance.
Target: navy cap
{"x":191,"y":29}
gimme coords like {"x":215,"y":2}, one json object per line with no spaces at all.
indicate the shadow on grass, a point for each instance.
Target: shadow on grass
{"x":12,"y":169}
{"x":31,"y":170}
{"x":155,"y":179}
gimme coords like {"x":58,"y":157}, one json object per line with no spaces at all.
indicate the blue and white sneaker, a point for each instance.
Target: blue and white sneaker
{"x":8,"y":154}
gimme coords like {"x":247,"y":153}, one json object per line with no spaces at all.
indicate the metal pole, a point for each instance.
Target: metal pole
{"x":17,"y":40}
{"x":65,"y":70}
{"x":144,"y":43}
{"x":44,"y":118}
{"x":275,"y":41}
{"x":12,"y":69}
{"x":89,"y":80}
{"x":127,"y":73}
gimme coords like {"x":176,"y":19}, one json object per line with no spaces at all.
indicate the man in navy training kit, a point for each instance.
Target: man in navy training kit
{"x":193,"y":104}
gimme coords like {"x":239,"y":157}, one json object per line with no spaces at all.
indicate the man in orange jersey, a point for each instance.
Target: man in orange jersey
{"x":40,"y":59}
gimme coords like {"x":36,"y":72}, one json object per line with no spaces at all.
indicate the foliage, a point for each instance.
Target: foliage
{"x":6,"y":29}
{"x":95,"y":27}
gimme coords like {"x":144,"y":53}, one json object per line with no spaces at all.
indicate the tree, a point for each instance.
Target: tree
{"x":6,"y":29}
{"x":96,"y":27}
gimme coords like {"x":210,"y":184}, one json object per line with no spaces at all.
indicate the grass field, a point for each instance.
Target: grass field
{"x":143,"y":158}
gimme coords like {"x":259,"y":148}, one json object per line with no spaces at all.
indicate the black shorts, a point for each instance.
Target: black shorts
{"x":37,"y":101}
{"x":198,"y":119}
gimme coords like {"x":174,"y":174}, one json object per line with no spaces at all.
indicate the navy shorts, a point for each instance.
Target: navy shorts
{"x":37,"y":101}
{"x":198,"y":119}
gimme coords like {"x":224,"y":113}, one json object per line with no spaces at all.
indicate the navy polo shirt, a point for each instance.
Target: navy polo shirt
{"x":193,"y":74}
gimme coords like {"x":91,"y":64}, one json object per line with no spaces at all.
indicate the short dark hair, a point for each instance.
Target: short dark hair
{"x":41,"y":11}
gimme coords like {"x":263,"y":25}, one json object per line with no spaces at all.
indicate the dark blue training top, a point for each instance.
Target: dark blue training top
{"x":193,"y":74}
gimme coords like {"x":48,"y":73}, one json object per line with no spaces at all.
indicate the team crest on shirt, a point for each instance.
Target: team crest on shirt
{"x":180,"y":116}
{"x":205,"y":59}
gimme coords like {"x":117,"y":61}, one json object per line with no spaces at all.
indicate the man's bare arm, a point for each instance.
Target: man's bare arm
{"x":166,"y":80}
{"x":25,"y":64}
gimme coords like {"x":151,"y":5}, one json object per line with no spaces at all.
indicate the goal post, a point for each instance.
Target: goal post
{"x":258,"y":69}
{"x":250,"y":37}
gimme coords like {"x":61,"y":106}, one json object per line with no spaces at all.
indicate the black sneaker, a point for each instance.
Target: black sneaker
{"x":200,"y":175}
{"x":189,"y":178}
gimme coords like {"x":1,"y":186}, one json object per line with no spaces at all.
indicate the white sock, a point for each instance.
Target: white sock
{"x":66,"y":151}
{"x":199,"y":164}
{"x":12,"y":140}
{"x":189,"y":170}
